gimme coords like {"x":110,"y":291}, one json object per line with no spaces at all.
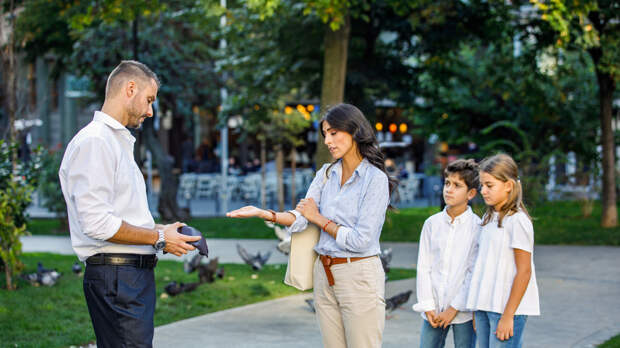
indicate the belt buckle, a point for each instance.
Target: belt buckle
{"x":141,"y":261}
{"x":97,"y":259}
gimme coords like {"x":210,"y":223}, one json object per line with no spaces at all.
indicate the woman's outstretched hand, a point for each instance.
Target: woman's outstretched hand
{"x":247,"y":212}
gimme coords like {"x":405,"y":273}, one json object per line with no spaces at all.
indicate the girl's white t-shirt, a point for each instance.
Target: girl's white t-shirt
{"x":495,"y":266}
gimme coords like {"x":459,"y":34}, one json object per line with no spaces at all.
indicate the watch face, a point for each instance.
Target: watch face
{"x":160,"y":245}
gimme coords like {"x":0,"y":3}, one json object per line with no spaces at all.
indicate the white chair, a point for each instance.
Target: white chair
{"x":187,"y":186}
{"x":206,"y":185}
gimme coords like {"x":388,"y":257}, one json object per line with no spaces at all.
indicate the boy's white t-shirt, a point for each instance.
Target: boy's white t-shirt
{"x":495,"y":266}
{"x":446,"y":257}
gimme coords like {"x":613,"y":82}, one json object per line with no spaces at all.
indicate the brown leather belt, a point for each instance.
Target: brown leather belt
{"x":328,"y":261}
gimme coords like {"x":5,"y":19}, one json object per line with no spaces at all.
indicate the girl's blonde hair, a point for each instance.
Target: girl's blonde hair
{"x":504,"y":168}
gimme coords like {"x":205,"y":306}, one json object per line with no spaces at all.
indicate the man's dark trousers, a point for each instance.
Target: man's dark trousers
{"x":121,"y":303}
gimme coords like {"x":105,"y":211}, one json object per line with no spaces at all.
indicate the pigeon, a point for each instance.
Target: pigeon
{"x":174,"y":289}
{"x":386,"y":258}
{"x":76,"y":268}
{"x":310,"y":303}
{"x":41,"y":269}
{"x":284,"y":246}
{"x":220,"y":273}
{"x":207,"y":272}
{"x":43,"y":276}
{"x":257,"y":261}
{"x":49,"y":278}
{"x":32,"y":278}
{"x":190,"y":266}
{"x":398,"y":300}
{"x":201,"y":244}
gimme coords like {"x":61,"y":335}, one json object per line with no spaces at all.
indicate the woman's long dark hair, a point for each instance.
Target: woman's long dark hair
{"x":348,"y":118}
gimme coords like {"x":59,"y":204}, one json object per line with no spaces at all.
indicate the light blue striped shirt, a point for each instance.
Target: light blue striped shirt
{"x":358,"y":206}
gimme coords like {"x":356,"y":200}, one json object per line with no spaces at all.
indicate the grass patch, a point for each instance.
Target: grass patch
{"x":406,"y":224}
{"x":222,"y":227}
{"x":58,"y":316}
{"x":613,"y":342}
{"x":401,"y":273}
{"x":46,"y":227}
{"x":559,"y":222}
{"x":563,"y":223}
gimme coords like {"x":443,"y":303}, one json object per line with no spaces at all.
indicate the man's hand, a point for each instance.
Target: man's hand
{"x":505,"y":328}
{"x":308,"y":208}
{"x":176,"y":243}
{"x":445,"y":318}
{"x":432,"y":318}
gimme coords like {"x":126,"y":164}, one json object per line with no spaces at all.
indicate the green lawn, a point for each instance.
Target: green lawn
{"x":554,"y":223}
{"x":58,"y":317}
{"x":613,"y":342}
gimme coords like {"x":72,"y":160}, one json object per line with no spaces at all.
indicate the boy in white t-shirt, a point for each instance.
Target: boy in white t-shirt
{"x":448,"y":247}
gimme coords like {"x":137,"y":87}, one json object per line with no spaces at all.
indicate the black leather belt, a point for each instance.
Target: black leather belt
{"x":136,"y":260}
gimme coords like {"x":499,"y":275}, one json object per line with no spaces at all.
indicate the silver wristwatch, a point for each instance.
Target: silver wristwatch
{"x":161,"y":241}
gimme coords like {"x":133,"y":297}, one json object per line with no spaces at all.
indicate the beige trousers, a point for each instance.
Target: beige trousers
{"x":351,"y":313}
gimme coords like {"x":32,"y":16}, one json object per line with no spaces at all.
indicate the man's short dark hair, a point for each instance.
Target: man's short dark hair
{"x":128,"y":69}
{"x":467,"y":170}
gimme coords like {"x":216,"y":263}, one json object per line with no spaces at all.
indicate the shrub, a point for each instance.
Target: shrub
{"x":17,"y":182}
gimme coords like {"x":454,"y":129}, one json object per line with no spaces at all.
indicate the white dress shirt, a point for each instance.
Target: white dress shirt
{"x":445,"y":261}
{"x":103,"y":186}
{"x":495,"y":267}
{"x":358,"y":207}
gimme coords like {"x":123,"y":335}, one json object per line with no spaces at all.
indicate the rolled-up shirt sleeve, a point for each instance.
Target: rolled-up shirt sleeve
{"x":424,"y":287}
{"x":314,"y":192}
{"x":90,"y":181}
{"x":371,"y":218}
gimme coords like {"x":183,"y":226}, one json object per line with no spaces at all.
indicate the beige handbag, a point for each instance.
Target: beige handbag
{"x":302,"y":256}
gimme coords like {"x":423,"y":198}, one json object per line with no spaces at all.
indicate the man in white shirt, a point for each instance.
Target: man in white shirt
{"x":448,"y":245}
{"x":112,"y":229}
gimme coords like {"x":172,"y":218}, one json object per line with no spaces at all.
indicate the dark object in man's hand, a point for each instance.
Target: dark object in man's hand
{"x":200,"y":244}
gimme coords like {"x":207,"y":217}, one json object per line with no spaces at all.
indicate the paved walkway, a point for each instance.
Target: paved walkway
{"x":579,"y":290}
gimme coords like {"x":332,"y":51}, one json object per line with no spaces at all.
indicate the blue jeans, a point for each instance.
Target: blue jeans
{"x":464,"y":335}
{"x":486,"y":324}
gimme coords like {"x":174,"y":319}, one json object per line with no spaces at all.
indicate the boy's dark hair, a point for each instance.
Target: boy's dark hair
{"x":467,"y":170}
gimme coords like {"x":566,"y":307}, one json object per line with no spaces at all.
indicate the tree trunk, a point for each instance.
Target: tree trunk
{"x":606,"y":91}
{"x":168,"y":207}
{"x":9,"y":277}
{"x":293,"y":168}
{"x":280,"y":181}
{"x":263,"y":173}
{"x":334,"y":77}
{"x":9,"y":63}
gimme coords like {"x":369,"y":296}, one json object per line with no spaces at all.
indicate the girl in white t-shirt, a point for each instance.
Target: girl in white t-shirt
{"x":503,"y":289}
